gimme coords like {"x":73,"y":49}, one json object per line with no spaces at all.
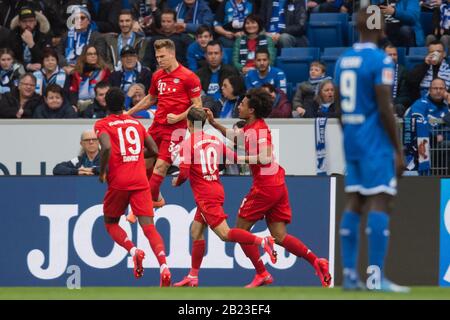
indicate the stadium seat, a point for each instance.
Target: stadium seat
{"x":416,"y":55}
{"x":228,"y":54}
{"x":401,"y":51}
{"x":295,"y":62}
{"x":289,"y":89}
{"x":426,"y":22}
{"x":328,"y":29}
{"x":330,"y":56}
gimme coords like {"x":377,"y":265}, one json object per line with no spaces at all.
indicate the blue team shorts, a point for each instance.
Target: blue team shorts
{"x":371,"y":175}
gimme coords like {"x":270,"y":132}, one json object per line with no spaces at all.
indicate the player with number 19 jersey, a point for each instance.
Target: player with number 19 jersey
{"x":126,"y":167}
{"x":369,"y":152}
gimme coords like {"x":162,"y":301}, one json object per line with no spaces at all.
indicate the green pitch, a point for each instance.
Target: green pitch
{"x":216,"y":293}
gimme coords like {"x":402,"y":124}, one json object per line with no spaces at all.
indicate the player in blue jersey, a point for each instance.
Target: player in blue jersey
{"x":364,"y":75}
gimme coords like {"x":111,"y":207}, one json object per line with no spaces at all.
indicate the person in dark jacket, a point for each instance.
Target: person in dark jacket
{"x":55,"y":105}
{"x":287,"y":29}
{"x":29,"y":38}
{"x":323,"y":104}
{"x":131,"y":71}
{"x":212,"y":75}
{"x":20,"y":102}
{"x":87,"y":163}
{"x":97,"y":109}
{"x":281,"y":107}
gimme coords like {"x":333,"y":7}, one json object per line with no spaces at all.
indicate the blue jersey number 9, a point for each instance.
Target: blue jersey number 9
{"x":347,"y":88}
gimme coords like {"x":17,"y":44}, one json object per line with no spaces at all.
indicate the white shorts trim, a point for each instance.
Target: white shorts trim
{"x":371,"y":191}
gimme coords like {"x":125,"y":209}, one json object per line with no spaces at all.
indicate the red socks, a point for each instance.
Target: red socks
{"x":295,"y":246}
{"x":243,"y":236}
{"x":119,"y":235}
{"x":155,"y":184}
{"x":156,"y":242}
{"x":198,"y":251}
{"x":252,"y":252}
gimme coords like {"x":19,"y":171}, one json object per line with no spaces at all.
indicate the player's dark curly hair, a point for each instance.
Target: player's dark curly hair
{"x":260,"y":100}
{"x":115,"y":99}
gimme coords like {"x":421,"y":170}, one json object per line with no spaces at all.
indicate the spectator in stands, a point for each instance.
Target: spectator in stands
{"x":87,"y":163}
{"x":281,"y":107}
{"x":90,"y":70}
{"x":419,"y":122}
{"x":126,"y":37}
{"x":400,"y":90}
{"x":10,"y":71}
{"x":403,"y":27}
{"x":97,"y":109}
{"x":136,"y":93}
{"x":9,"y":9}
{"x":434,"y":66}
{"x":233,"y":91}
{"x":429,"y":5}
{"x":229,"y":20}
{"x":55,"y":105}
{"x":131,"y":71}
{"x":51,"y":73}
{"x":441,"y":25}
{"x":264,"y":73}
{"x":307,"y":90}
{"x":191,"y":14}
{"x":147,"y":13}
{"x":245,"y":47}
{"x":213,"y":74}
{"x":29,"y":38}
{"x":167,"y":31}
{"x":323,"y":105}
{"x":104,"y":13}
{"x":75,"y":40}
{"x":21,"y":102}
{"x":286,"y":24}
{"x":196,"y":50}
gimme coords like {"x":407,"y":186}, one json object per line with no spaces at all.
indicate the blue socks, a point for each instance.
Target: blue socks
{"x":378,"y":235}
{"x":349,"y":232}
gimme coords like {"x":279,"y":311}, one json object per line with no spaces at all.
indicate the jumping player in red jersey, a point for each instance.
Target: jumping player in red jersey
{"x":268,"y":197}
{"x":175,"y":89}
{"x":200,"y":156}
{"x":122,"y":166}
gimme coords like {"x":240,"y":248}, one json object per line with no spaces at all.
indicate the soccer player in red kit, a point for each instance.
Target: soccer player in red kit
{"x":200,"y":156}
{"x":174,"y":88}
{"x":122,"y":139}
{"x":268,"y":197}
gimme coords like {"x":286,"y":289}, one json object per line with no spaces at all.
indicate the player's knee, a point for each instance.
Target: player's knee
{"x":196,"y":235}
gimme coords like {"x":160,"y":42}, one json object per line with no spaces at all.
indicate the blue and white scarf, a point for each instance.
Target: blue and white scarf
{"x":27,"y":57}
{"x":182,"y":9}
{"x":321,"y":151}
{"x":57,"y":77}
{"x":239,"y":14}
{"x":75,"y":44}
{"x":314,"y":82}
{"x":130,"y":77}
{"x":277,"y":21}
{"x":443,"y":73}
{"x":5,"y":79}
{"x":120,"y":43}
{"x":445,"y":16}
{"x":395,"y":87}
{"x":87,"y":85}
{"x":144,"y":9}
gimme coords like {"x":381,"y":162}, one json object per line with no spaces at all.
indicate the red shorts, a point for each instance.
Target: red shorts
{"x":210,"y":213}
{"x":168,"y":141}
{"x":116,"y":202}
{"x":271,"y":203}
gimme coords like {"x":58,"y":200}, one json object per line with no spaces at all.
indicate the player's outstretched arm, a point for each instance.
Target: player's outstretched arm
{"x":151,"y":147}
{"x":105,"y":152}
{"x":231,"y":134}
{"x":174,"y":118}
{"x":264,"y":156}
{"x":383,"y":96}
{"x":145,"y":103}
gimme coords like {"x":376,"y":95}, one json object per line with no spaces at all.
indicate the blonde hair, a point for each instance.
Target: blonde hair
{"x":164,"y":43}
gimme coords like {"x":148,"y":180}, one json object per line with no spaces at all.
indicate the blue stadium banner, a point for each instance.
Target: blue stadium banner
{"x":444,"y":256}
{"x":53,"y":233}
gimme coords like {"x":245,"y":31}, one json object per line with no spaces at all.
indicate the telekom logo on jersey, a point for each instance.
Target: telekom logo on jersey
{"x":57,"y":254}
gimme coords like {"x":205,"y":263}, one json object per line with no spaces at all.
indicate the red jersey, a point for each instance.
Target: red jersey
{"x":200,"y":156}
{"x":257,"y":136}
{"x":126,"y":164}
{"x":174,"y":91}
